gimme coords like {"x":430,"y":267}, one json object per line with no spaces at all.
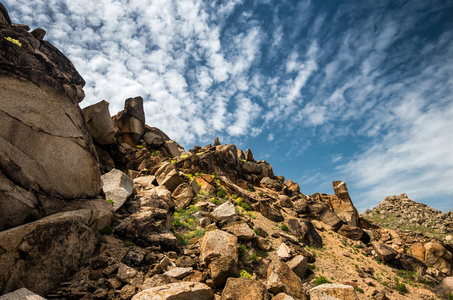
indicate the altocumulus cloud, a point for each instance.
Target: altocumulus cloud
{"x":300,"y":75}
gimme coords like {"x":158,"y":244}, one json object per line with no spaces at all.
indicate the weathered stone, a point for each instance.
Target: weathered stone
{"x":418,"y":251}
{"x":446,"y":286}
{"x":130,"y":122}
{"x":160,"y":191}
{"x":221,"y":268}
{"x":153,"y":139}
{"x":195,"y":276}
{"x":117,"y":187}
{"x":157,"y":280}
{"x":130,"y":275}
{"x":41,"y":254}
{"x":283,"y":296}
{"x":351,"y":232}
{"x":145,"y":224}
{"x":244,"y":289}
{"x":263,"y":244}
{"x":167,"y":176}
{"x":284,"y":201}
{"x":146,"y":182}
{"x":127,"y":292}
{"x":177,"y":291}
{"x":100,"y":124}
{"x":267,"y":182}
{"x":333,"y":291}
{"x":283,"y":251}
{"x":280,"y":278}
{"x":433,"y":251}
{"x":331,"y":218}
{"x":242,"y":231}
{"x":183,"y":195}
{"x":216,"y":244}
{"x":172,"y":148}
{"x":293,"y":186}
{"x":216,"y":141}
{"x":384,"y":253}
{"x":240,"y":154}
{"x":134,"y":257}
{"x":226,"y":211}
{"x":249,"y":155}
{"x":343,"y":205}
{"x":269,"y":212}
{"x":299,"y":265}
{"x":179,"y":272}
{"x":305,"y":231}
{"x":20,"y":294}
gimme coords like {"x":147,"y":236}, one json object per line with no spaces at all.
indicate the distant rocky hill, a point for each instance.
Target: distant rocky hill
{"x":400,"y":212}
{"x":100,"y":207}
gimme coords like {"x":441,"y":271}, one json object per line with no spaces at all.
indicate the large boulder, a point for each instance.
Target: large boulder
{"x":383,"y":252}
{"x":40,"y":255}
{"x":177,"y":291}
{"x":166,"y":175}
{"x":299,"y":265}
{"x":100,"y":124}
{"x":438,"y":257}
{"x":244,"y":289}
{"x":280,"y":278}
{"x":306,"y":232}
{"x":22,"y":293}
{"x":130,"y":122}
{"x":183,"y":195}
{"x":219,"y":252}
{"x":117,"y":187}
{"x":342,"y":204}
{"x":226,"y":211}
{"x":45,"y":148}
{"x":333,"y":291}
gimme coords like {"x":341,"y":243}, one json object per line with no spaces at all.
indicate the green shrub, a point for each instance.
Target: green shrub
{"x":245,"y":274}
{"x":449,"y":296}
{"x":234,"y":196}
{"x":257,"y":232}
{"x":215,"y":201}
{"x":106,"y":230}
{"x":184,"y":218}
{"x":242,"y":250}
{"x":184,"y":239}
{"x":139,"y":146}
{"x":320,"y":280}
{"x":221,"y":193}
{"x":253,"y":257}
{"x":111,"y":201}
{"x":284,"y":227}
{"x":401,"y":288}
{"x":359,"y":290}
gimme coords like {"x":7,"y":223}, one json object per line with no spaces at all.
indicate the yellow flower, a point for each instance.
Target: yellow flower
{"x":14,"y":41}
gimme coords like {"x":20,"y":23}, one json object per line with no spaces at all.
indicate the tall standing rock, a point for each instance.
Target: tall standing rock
{"x":46,"y":151}
{"x":100,"y":123}
{"x":343,"y":205}
{"x":130,"y":122}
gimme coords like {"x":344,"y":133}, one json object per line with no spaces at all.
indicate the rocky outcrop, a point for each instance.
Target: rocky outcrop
{"x":177,"y":291}
{"x":117,"y":187}
{"x":130,"y":122}
{"x":280,"y":278}
{"x":333,"y":291}
{"x":45,"y":147}
{"x":342,"y":205}
{"x":41,"y":254}
{"x":100,"y":124}
{"x":244,"y":289}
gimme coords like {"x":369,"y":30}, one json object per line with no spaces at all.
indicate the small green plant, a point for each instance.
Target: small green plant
{"x":221,"y":193}
{"x":234,"y":196}
{"x":257,"y":231}
{"x":31,"y":217}
{"x":215,"y":201}
{"x":139,"y":146}
{"x":184,"y":218}
{"x":14,"y":41}
{"x":320,"y":280}
{"x":449,"y":296}
{"x":359,"y":290}
{"x":261,"y":194}
{"x":251,"y":215}
{"x":401,"y":288}
{"x":242,"y":250}
{"x":245,"y":274}
{"x":284,"y":227}
{"x":184,"y":239}
{"x":111,"y":201}
{"x":253,"y":257}
{"x":106,"y":230}
{"x":200,"y":153}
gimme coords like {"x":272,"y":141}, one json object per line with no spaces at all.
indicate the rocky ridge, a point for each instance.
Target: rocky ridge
{"x":208,"y":223}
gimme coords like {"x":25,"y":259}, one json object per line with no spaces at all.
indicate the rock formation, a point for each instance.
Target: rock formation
{"x":208,"y":223}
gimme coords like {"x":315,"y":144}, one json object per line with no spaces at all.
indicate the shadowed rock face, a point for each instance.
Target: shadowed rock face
{"x":46,"y":151}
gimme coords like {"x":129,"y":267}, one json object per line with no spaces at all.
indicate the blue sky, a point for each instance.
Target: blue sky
{"x":359,"y":91}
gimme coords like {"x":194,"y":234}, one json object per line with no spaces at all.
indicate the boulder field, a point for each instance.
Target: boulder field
{"x":100,"y":207}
